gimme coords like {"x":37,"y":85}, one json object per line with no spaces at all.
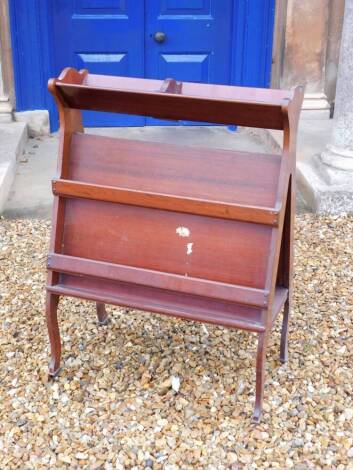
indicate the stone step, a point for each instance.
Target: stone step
{"x":13,"y":138}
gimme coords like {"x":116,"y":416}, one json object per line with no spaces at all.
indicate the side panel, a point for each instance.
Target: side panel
{"x":214,"y":249}
{"x":211,"y":174}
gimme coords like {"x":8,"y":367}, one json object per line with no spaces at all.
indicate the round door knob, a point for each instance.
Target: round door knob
{"x":159,"y":37}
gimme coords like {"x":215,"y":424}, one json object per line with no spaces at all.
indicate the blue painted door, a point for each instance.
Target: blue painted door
{"x":220,"y":41}
{"x":118,"y":37}
{"x":193,"y":41}
{"x":104,"y":36}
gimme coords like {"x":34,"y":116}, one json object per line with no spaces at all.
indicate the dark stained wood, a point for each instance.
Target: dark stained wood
{"x":168,"y":106}
{"x":226,"y":92}
{"x":161,"y":280}
{"x":171,"y":86}
{"x":255,"y":214}
{"x":176,"y":170}
{"x":102,"y":315}
{"x":166,"y":302}
{"x":70,"y":123}
{"x":197,"y":233}
{"x":148,"y":238}
{"x":281,"y":273}
{"x":222,"y":104}
{"x":51,"y":307}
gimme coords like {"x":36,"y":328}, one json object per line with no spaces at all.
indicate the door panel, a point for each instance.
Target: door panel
{"x":197,"y":44}
{"x":175,"y":7}
{"x":106,"y":37}
{"x":94,"y":33}
{"x":194,"y":66}
{"x":106,"y":6}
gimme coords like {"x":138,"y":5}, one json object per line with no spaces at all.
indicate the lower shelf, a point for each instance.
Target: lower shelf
{"x":170,"y":303}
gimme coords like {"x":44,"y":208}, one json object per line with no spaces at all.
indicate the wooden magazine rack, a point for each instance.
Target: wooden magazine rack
{"x":197,"y":233}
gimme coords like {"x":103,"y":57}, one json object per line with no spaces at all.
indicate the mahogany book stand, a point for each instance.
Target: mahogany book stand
{"x":196,"y":233}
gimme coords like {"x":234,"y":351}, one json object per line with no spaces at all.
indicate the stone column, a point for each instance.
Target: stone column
{"x":305,"y":54}
{"x":335,"y":23}
{"x":328,"y":178}
{"x":6,"y":72}
{"x":339,"y":152}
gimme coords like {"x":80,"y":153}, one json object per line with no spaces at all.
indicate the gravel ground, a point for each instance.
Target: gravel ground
{"x":117,"y":402}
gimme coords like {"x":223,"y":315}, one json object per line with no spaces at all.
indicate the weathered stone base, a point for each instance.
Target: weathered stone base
{"x":5,"y":112}
{"x":315,"y":106}
{"x":320,"y":195}
{"x":5,"y":118}
{"x":37,"y":121}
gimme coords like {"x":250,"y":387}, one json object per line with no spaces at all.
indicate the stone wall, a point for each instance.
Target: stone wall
{"x":334,"y":33}
{"x":7,"y":95}
{"x":311,"y":52}
{"x":306,"y":50}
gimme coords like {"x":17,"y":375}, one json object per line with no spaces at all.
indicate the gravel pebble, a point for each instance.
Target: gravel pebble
{"x":114,"y":405}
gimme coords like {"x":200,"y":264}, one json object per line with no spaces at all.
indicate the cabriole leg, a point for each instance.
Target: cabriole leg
{"x":260,"y":376}
{"x":102,"y":314}
{"x":54,"y":334}
{"x":284,"y":332}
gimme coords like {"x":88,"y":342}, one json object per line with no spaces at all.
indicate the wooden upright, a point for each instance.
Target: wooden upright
{"x":197,"y":233}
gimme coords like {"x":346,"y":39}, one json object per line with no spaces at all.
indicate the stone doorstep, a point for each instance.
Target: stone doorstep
{"x":36,"y":120}
{"x":13,"y":137}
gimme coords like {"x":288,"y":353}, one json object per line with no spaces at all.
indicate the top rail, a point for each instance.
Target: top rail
{"x":220,"y":104}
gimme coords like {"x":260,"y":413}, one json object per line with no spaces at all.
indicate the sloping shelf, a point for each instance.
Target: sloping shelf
{"x":186,"y":306}
{"x":209,"y":103}
{"x":219,"y":183}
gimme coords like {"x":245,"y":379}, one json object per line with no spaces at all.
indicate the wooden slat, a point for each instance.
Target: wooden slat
{"x":213,"y":174}
{"x":231,"y":321}
{"x":201,"y":90}
{"x":161,"y":280}
{"x":223,"y":250}
{"x":256,"y":214}
{"x":279,"y":298}
{"x":268,"y":115}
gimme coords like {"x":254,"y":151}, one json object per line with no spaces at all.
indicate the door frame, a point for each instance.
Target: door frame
{"x":33,"y":50}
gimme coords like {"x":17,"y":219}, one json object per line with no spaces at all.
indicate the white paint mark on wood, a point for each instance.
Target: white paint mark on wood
{"x":189,"y":248}
{"x":183,"y":232}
